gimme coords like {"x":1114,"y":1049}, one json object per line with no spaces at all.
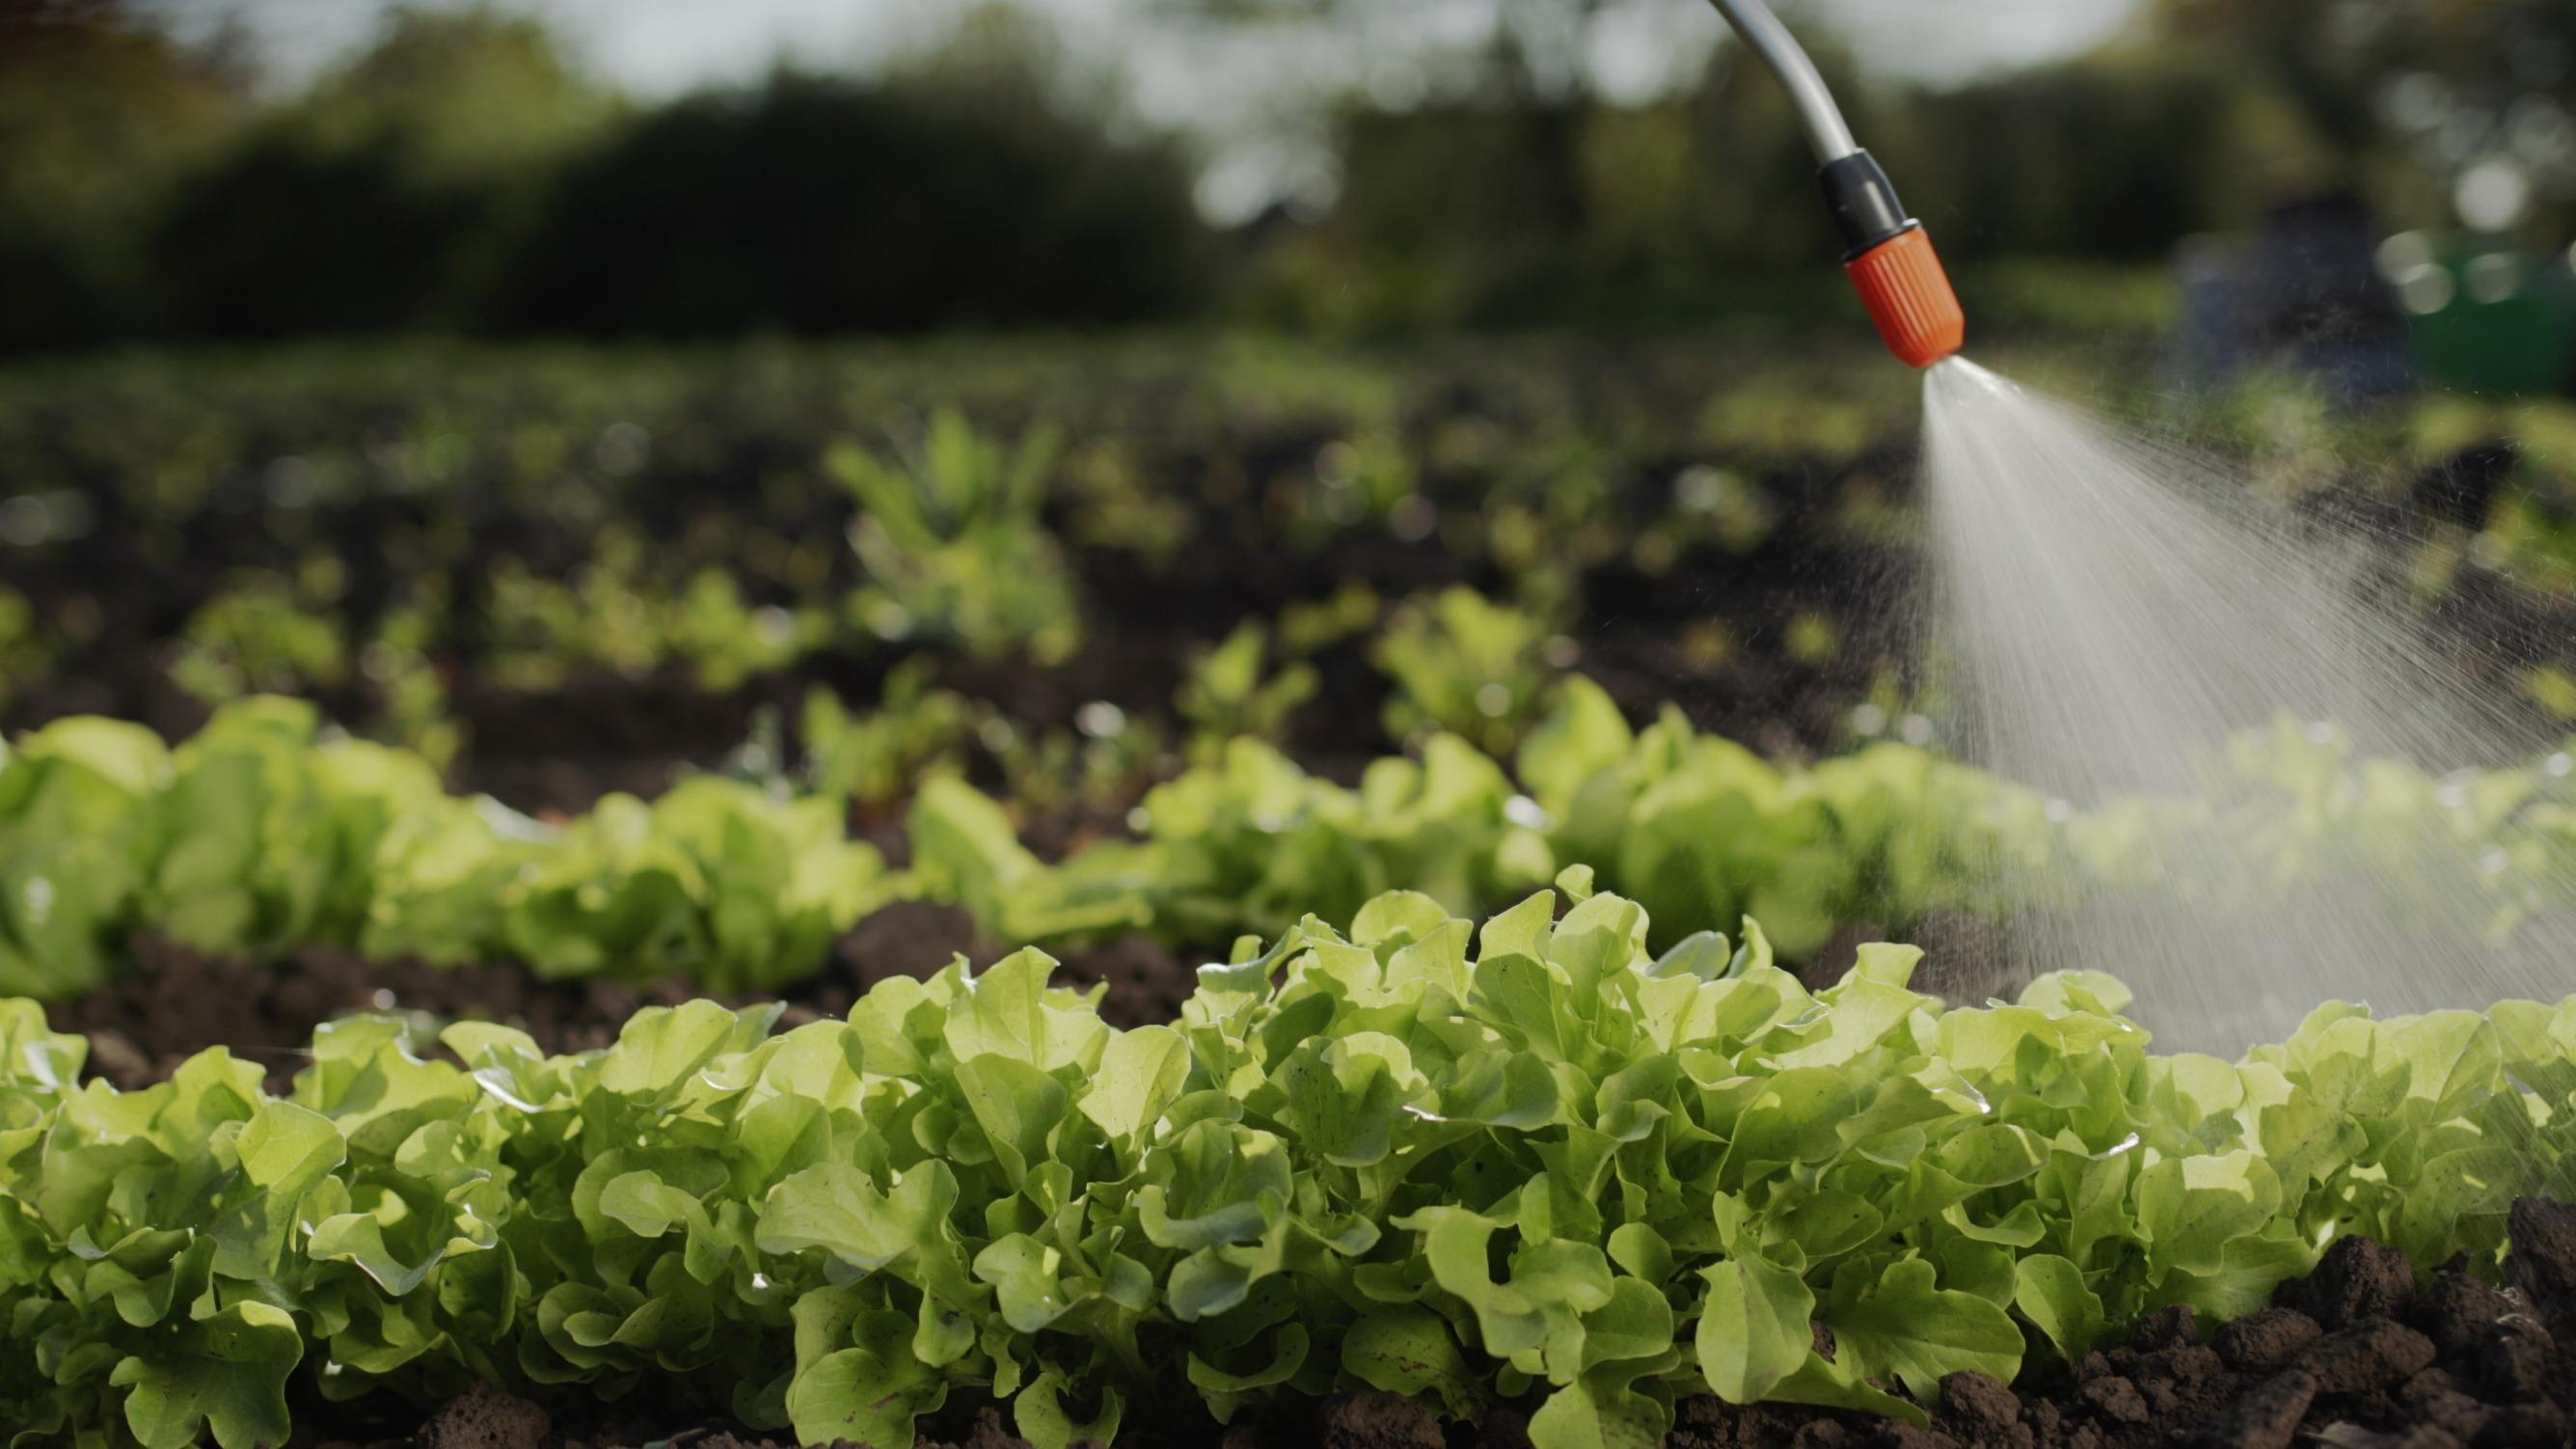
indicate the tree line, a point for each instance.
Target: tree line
{"x":462,"y":175}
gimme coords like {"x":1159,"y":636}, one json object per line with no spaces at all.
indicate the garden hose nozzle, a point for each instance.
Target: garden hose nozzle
{"x":1888,"y":255}
{"x":1892,"y":264}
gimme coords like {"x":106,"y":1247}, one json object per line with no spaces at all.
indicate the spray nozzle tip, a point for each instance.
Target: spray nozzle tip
{"x":1908,"y":294}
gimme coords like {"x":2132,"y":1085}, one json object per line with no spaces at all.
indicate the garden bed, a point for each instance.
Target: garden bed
{"x":1540,"y":1159}
{"x":1421,"y":1183}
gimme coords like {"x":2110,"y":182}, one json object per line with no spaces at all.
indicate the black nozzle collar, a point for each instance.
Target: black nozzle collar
{"x":1863,"y":202}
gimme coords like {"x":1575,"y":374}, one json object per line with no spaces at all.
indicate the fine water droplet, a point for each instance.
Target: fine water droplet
{"x":2159,"y":644}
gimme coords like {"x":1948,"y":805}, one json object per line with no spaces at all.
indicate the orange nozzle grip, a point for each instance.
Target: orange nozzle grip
{"x":1908,"y":295}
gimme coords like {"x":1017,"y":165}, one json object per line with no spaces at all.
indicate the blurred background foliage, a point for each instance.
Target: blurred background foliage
{"x":462,"y":173}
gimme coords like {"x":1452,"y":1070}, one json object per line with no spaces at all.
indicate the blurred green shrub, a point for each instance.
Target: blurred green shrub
{"x":461,"y":174}
{"x":398,"y":192}
{"x":102,"y":116}
{"x":964,"y":189}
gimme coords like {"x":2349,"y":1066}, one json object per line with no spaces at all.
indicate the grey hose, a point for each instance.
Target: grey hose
{"x":1826,"y":130}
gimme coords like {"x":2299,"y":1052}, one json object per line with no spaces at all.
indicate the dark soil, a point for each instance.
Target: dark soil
{"x":179,"y":1001}
{"x":2355,"y":1356}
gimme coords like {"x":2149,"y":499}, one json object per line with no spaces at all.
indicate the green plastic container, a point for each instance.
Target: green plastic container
{"x":2504,"y":325}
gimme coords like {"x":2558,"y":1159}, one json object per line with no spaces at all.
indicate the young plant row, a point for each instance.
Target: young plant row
{"x":1703,"y":831}
{"x":1526,"y":1161}
{"x":259,"y":836}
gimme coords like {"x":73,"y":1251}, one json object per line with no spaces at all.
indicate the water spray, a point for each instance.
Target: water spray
{"x":1887,"y":254}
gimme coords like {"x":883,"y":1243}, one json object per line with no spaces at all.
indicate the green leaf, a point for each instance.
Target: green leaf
{"x":1141,"y":1073}
{"x":1599,"y":1412}
{"x":1903,"y":1327}
{"x":1017,"y":1105}
{"x":1042,"y":1419}
{"x":2191,"y":1208}
{"x":661,"y":1047}
{"x":1026,"y":1277}
{"x":872,"y":1394}
{"x":1754,"y":1328}
{"x":226,"y":1373}
{"x":1410,"y":1351}
{"x":1008,"y":1012}
{"x":286,"y":1149}
{"x":2049,"y":1291}
{"x":647,"y":1206}
{"x":837,"y":1208}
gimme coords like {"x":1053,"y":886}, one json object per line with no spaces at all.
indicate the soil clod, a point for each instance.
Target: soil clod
{"x":2267,"y":1340}
{"x":2166,"y":1328}
{"x":2376,"y":1355}
{"x":2543,"y":1262}
{"x":486,"y":1418}
{"x":2356,"y":1280}
{"x":1380,"y":1421}
{"x":2268,"y":1417}
{"x":1980,"y":1401}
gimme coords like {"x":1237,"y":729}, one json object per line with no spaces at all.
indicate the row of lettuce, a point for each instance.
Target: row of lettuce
{"x":1534,"y":1161}
{"x":263,"y":834}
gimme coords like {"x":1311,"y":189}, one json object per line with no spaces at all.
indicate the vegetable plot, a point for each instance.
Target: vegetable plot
{"x":1457,"y":1163}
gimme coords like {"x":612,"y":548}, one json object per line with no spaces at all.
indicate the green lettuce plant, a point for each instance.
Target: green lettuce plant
{"x":714,"y":879}
{"x":873,"y":758}
{"x":258,"y":836}
{"x":74,"y":830}
{"x":1530,"y":1160}
{"x":1697,"y":827}
{"x":1230,"y":694}
{"x":263,"y":631}
{"x":1466,"y":665}
{"x":953,"y":543}
{"x":613,"y":614}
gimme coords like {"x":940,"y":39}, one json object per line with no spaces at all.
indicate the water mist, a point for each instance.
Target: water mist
{"x":2139,"y":637}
